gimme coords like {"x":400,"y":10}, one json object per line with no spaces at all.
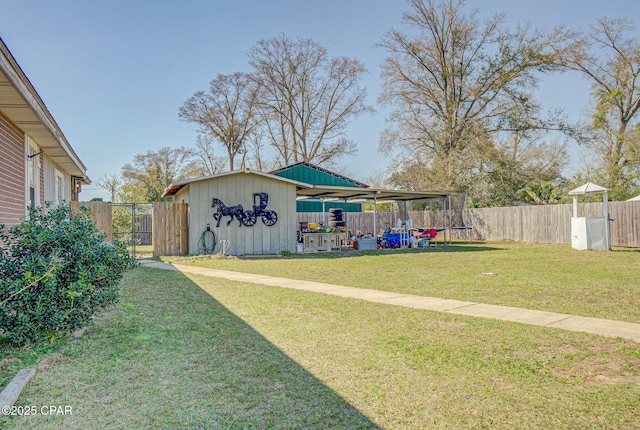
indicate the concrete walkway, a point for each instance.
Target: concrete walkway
{"x":598,"y":326}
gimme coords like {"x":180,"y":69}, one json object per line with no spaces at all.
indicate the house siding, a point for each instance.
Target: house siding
{"x":12,"y":173}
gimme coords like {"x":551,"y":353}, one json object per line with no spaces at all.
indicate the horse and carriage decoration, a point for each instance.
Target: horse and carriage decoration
{"x":249,"y":217}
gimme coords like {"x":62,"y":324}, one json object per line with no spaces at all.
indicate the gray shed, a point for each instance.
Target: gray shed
{"x":245,"y":188}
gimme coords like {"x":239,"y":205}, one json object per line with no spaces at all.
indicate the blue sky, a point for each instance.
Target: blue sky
{"x":114,"y":73}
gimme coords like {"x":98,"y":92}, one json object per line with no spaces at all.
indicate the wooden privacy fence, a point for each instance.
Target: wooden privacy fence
{"x":100,"y":214}
{"x":541,"y":224}
{"x":144,"y":227}
{"x":552,"y":223}
{"x":170,"y":229}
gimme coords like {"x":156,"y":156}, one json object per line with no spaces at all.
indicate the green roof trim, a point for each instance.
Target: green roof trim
{"x":314,"y":206}
{"x":316,"y":175}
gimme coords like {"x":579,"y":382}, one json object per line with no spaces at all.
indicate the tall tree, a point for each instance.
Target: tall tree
{"x":307,"y":98}
{"x":459,"y":86}
{"x":112,"y":184}
{"x":226,"y":112}
{"x":150,"y":173}
{"x":205,"y":159}
{"x":609,"y":56}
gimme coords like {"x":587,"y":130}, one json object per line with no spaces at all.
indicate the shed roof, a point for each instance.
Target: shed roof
{"x":174,"y":187}
{"x":310,"y":191}
{"x":316,"y":175}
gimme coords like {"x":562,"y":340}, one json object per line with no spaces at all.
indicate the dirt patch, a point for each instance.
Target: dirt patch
{"x":598,"y":363}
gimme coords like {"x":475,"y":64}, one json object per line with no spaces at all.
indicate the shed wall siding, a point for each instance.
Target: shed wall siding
{"x":12,"y":173}
{"x":239,"y":189}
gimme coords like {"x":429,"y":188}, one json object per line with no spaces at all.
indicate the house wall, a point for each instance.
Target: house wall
{"x":12,"y":173}
{"x":239,"y":189}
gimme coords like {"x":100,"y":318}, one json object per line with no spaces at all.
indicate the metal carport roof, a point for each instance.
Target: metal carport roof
{"x":373,"y":195}
{"x":367,"y":194}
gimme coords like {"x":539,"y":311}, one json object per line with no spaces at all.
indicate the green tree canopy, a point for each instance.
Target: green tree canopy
{"x":463,"y":110}
{"x":146,"y":178}
{"x":609,"y":57}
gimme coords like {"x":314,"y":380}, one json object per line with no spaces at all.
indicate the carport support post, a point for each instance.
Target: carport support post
{"x":133,"y":228}
{"x":605,"y":208}
{"x":375,"y":214}
{"x":324,"y":216}
{"x":444,"y":220}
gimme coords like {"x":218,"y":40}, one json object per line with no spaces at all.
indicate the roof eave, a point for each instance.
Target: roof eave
{"x":22,"y":104}
{"x":174,"y":187}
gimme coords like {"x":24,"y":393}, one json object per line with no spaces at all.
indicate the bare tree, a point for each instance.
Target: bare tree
{"x":206,"y":162}
{"x":306,"y":98}
{"x":609,"y":56}
{"x":112,"y":184}
{"x":460,"y":84}
{"x":226,"y":112}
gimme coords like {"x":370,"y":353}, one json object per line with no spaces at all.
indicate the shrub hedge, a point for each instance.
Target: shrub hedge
{"x":56,"y":272}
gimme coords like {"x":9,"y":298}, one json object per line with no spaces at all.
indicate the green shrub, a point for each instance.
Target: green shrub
{"x":56,"y":272}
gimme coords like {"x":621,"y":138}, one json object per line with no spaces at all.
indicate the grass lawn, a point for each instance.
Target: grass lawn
{"x":196,"y":352}
{"x":543,"y":277}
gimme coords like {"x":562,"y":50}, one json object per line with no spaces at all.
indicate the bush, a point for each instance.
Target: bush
{"x":56,"y":272}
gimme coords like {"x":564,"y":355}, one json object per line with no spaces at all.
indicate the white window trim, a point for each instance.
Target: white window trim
{"x":59,"y":182}
{"x":26,"y":175}
{"x":31,"y":148}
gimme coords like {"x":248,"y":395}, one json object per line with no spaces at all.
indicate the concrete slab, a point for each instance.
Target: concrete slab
{"x":598,"y":326}
{"x":216,"y":273}
{"x":11,"y":392}
{"x":263,"y":279}
{"x":318,"y":287}
{"x":247,"y":277}
{"x":507,"y":313}
{"x":364,"y":294}
{"x":199,"y":271}
{"x":427,"y":303}
{"x":157,"y":264}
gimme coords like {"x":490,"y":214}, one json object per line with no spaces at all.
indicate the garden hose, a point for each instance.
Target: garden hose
{"x":202,"y":243}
